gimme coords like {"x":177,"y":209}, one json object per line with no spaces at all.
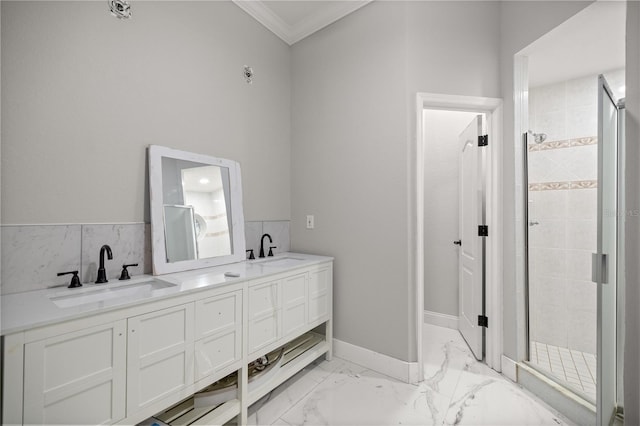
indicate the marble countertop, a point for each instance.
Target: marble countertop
{"x":23,"y":311}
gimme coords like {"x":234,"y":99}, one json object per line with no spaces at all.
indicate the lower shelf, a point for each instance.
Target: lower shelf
{"x":294,"y":361}
{"x":297,"y":354}
{"x":186,"y":414}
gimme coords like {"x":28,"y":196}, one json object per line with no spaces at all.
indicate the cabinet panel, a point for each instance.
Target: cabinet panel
{"x":218,"y":333}
{"x":263,"y":299}
{"x":262,"y":332}
{"x":319,"y":281}
{"x":294,"y":289}
{"x":160,"y":355}
{"x":319,"y":284}
{"x":294,"y":318}
{"x":318,"y":307}
{"x":76,"y":378}
{"x":218,"y":314}
{"x":215,"y":353}
{"x":294,"y":303}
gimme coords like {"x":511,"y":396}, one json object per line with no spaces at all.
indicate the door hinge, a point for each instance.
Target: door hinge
{"x":483,"y":231}
{"x":483,"y":140}
{"x":483,"y":321}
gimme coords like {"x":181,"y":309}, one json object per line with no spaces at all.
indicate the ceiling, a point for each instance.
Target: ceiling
{"x":293,"y":20}
{"x":591,"y":42}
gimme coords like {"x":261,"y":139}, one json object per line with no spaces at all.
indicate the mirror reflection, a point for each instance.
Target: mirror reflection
{"x":197,"y":216}
{"x":197,"y":219}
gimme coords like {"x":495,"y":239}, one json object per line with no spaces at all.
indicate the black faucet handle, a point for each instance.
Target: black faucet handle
{"x":271,"y":250}
{"x":251,"y":256}
{"x":75,"y":280}
{"x":125,"y":274}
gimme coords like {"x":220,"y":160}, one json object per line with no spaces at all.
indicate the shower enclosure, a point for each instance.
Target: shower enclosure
{"x":567,"y":219}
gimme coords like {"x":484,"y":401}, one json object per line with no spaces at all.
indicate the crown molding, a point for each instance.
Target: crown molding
{"x":292,"y":34}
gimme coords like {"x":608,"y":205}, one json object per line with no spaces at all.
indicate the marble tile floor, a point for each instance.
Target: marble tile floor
{"x":457,"y":390}
{"x":577,"y":369}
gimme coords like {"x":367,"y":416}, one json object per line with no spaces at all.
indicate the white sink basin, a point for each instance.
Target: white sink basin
{"x":128,"y":292}
{"x":283,"y":262}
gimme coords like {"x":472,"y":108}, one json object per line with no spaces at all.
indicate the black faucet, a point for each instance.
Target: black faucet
{"x":262,"y":244}
{"x":102,"y":273}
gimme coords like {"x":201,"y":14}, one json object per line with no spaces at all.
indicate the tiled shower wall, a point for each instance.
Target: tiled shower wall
{"x":562,"y":175}
{"x":32,"y":255}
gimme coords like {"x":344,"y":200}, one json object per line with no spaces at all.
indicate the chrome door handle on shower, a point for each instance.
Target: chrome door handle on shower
{"x":533,"y":223}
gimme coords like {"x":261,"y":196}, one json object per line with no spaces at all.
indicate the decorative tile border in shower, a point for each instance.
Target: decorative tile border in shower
{"x":555,"y":186}
{"x":567,"y":143}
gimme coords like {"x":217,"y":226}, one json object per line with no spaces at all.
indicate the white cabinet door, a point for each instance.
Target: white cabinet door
{"x":218,"y":333}
{"x":319,"y":294}
{"x":76,"y":378}
{"x":294,"y":304}
{"x":264,"y":324}
{"x":160,"y":355}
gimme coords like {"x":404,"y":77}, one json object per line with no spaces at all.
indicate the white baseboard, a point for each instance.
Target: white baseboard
{"x":509,"y":368}
{"x":384,"y":364}
{"x":441,"y":320}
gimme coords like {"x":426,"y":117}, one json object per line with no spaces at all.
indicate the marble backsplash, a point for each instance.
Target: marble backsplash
{"x":32,"y":255}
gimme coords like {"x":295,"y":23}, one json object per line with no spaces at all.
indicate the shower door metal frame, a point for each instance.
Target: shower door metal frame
{"x":525,"y":223}
{"x":520,"y":129}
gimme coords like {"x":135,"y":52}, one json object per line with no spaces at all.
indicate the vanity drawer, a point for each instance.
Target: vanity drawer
{"x":262,"y":332}
{"x":294,"y":303}
{"x":294,"y":289}
{"x":216,"y":352}
{"x":318,"y":307}
{"x":319,"y":281}
{"x":294,"y":318}
{"x":218,"y":314}
{"x":263,"y":299}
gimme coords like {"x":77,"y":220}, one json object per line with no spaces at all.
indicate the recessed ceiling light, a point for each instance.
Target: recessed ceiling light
{"x":204,"y":181}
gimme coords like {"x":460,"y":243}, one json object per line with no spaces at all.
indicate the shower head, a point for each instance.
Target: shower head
{"x":538,"y":137}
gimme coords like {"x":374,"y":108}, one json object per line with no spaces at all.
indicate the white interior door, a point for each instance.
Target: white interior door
{"x":471,"y":253}
{"x":605,"y":260}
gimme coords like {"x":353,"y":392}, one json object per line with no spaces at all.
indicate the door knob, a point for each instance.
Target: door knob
{"x":458,"y":243}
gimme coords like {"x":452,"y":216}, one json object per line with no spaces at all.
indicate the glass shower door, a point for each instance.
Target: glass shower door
{"x":605,"y":260}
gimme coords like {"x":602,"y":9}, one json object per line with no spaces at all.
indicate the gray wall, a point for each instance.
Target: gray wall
{"x":84,"y":93}
{"x":632,"y":326}
{"x":353,"y":148}
{"x":521,"y":23}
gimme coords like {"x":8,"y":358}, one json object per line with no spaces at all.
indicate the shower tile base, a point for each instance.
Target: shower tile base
{"x":575,"y":368}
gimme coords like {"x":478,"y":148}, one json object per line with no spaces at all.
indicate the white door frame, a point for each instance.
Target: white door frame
{"x":492,"y":107}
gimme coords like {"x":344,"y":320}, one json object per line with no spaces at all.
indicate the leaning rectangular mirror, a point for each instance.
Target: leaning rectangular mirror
{"x":196,"y":210}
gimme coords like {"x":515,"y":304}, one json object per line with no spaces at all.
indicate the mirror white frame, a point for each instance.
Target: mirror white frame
{"x":156,"y":193}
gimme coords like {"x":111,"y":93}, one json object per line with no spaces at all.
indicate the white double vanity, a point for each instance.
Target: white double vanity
{"x":126,"y":351}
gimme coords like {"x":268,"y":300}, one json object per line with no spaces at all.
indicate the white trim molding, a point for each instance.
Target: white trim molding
{"x":441,"y":320}
{"x":402,"y":370}
{"x":291,"y":34}
{"x":494,"y":200}
{"x":510,"y":368}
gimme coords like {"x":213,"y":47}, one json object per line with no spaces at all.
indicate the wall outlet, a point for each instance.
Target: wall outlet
{"x":310,"y":221}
